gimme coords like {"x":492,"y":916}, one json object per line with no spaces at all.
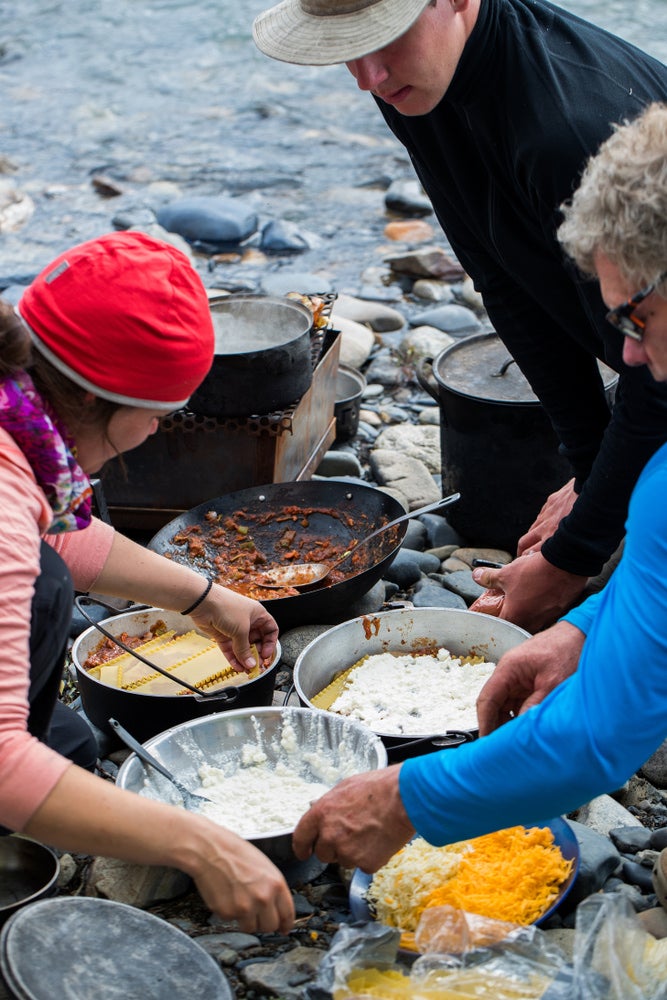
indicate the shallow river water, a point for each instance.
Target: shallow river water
{"x":170,"y":97}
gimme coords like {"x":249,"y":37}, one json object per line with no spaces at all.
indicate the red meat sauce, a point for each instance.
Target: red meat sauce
{"x":226,"y":546}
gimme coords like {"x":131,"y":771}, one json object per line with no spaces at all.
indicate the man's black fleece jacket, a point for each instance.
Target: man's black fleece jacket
{"x":535,"y":93}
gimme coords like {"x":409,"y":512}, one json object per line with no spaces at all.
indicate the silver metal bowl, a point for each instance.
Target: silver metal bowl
{"x":403,"y":631}
{"x":329,"y":743}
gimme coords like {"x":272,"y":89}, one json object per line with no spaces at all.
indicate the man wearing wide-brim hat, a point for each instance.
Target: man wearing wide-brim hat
{"x":499,"y":103}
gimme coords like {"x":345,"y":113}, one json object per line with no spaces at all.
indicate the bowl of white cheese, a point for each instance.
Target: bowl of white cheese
{"x":412,"y":675}
{"x":260,"y":767}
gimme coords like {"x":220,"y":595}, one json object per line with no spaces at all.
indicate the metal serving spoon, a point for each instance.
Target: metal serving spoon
{"x":305,"y":574}
{"x":191,"y":800}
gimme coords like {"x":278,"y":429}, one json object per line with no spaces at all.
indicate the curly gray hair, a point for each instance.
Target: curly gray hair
{"x":620,"y":206}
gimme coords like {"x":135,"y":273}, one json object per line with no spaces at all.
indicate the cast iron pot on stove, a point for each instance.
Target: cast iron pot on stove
{"x":262,"y":359}
{"x":336,"y":509}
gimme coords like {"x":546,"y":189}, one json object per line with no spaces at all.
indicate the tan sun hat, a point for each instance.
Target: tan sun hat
{"x":323,"y":32}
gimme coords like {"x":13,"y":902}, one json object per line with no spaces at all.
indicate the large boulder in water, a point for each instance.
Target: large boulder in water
{"x":210,"y":223}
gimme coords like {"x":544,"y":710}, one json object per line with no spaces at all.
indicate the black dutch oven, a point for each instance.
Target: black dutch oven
{"x":262,"y":360}
{"x":333,"y":508}
{"x":146,"y":715}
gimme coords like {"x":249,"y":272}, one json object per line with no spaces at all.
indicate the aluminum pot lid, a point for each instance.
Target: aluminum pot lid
{"x":245,"y":324}
{"x":75,"y":948}
{"x":481,"y":367}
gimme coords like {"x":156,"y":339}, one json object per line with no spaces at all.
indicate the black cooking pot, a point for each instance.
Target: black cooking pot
{"x":335,"y":509}
{"x":262,"y":359}
{"x":146,"y":715}
{"x":498,"y":447}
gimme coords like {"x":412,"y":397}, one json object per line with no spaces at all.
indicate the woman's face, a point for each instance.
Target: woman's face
{"x":129,"y":427}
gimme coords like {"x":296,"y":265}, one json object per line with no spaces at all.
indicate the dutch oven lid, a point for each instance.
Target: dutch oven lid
{"x":481,"y":366}
{"x":244,"y":324}
{"x":75,"y":948}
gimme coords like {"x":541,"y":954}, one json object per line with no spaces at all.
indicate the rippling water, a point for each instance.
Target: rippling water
{"x":171,"y":97}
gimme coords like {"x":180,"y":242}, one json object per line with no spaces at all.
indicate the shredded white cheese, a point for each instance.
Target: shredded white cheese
{"x":417,"y":695}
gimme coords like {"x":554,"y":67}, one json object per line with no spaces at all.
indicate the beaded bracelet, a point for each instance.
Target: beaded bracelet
{"x":199,"y":599}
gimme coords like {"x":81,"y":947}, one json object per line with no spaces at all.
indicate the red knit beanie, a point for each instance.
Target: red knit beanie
{"x":125,"y":316}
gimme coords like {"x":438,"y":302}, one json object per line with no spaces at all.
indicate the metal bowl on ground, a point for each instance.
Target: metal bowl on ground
{"x":28,"y":871}
{"x":325,"y":744}
{"x":144,"y":715}
{"x":404,"y":631}
{"x":341,"y":511}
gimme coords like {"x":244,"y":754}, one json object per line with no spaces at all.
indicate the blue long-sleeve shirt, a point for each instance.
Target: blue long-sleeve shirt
{"x":594,"y":730}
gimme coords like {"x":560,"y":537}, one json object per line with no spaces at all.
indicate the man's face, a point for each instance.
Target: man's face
{"x":413,"y":72}
{"x":652,"y":350}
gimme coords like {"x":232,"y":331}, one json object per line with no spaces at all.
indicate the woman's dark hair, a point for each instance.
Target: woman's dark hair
{"x":68,"y":399}
{"x":15,"y":346}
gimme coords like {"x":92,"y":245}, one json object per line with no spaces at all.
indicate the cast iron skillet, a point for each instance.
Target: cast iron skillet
{"x":364,"y":506}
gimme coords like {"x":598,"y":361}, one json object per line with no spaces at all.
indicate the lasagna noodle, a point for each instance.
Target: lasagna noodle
{"x":111,"y":672}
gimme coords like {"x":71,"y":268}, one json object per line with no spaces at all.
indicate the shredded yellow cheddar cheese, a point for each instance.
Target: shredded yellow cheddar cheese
{"x":512,"y":875}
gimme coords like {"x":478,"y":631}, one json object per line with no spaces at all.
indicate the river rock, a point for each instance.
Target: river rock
{"x":471,"y":296}
{"x":655,"y":768}
{"x":425,"y":342}
{"x":432,"y":291}
{"x":16,"y":207}
{"x":429,"y":594}
{"x":604,"y":814}
{"x":404,"y":570}
{"x":356,"y":342}
{"x":468,"y":554}
{"x":458,"y":321}
{"x":285,"y":976}
{"x":462,"y":583}
{"x":136,"y":885}
{"x":406,"y":476}
{"x":386,"y":369}
{"x":285,"y":281}
{"x":376,"y":315}
{"x":413,"y":441}
{"x":407,"y":197}
{"x":427,"y":262}
{"x":414,"y":231}
{"x":280,"y":236}
{"x":217,"y":223}
{"x":597,"y":861}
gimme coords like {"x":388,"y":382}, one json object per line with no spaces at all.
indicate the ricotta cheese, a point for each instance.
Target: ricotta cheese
{"x":416,"y":695}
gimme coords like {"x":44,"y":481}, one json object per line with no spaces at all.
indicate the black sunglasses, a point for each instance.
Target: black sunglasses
{"x":623,"y":316}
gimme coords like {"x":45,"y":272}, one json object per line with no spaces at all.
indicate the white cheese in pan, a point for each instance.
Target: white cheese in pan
{"x":416,"y":695}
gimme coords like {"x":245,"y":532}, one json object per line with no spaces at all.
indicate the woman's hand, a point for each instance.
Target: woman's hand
{"x":236,"y":622}
{"x":557,"y":506}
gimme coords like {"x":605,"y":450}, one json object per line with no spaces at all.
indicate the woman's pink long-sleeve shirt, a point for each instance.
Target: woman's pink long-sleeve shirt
{"x":28,"y":769}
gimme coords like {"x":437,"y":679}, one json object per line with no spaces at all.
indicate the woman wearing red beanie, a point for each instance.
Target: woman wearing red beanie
{"x":111,"y":336}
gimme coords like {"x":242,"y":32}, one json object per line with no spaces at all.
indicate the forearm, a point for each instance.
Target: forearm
{"x":139,"y":574}
{"x":86,"y":814}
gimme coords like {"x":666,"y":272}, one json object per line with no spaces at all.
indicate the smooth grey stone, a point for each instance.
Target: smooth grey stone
{"x":295,"y":640}
{"x":637,"y":875}
{"x":283,"y":281}
{"x":415,"y":535}
{"x":630,"y":839}
{"x":439,"y":531}
{"x":339,"y":463}
{"x":216,"y":221}
{"x":280,"y":236}
{"x":598,"y":860}
{"x":428,"y":594}
{"x":386,"y":371}
{"x":404,"y":570}
{"x":450,"y":318}
{"x":367,"y":604}
{"x":462,"y":583}
{"x":603,"y":814}
{"x":130,"y":218}
{"x":407,"y":197}
{"x":427,"y":563}
{"x":655,"y":768}
{"x":658,"y":839}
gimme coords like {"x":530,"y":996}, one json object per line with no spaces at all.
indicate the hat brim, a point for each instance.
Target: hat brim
{"x":290,"y":34}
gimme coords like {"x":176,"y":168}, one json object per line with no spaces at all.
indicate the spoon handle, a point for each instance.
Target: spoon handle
{"x":442,"y":502}
{"x":141,"y":751}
